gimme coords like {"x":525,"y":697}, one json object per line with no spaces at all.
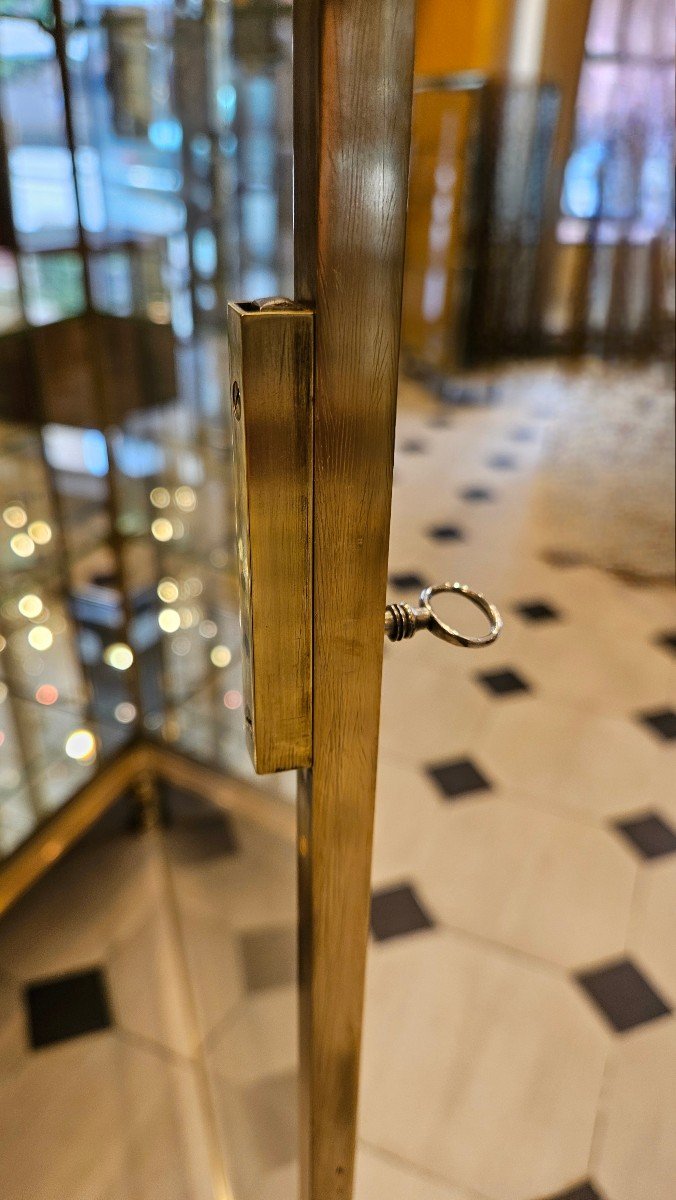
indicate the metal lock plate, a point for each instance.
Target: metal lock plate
{"x":271,"y":386}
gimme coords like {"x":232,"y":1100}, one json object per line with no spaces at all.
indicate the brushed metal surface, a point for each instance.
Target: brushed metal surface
{"x":271,"y":379}
{"x":353,"y":66}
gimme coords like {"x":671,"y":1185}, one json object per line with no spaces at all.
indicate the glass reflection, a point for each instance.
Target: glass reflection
{"x":152,"y":182}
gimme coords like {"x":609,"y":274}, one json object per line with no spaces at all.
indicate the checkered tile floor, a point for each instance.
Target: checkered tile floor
{"x":520,"y":1042}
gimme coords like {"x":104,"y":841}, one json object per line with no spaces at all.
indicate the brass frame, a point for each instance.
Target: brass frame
{"x":133,"y":766}
{"x":353,"y":74}
{"x":271,"y":373}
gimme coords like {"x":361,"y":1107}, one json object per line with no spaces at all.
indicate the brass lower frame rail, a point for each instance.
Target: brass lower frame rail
{"x":131,"y":767}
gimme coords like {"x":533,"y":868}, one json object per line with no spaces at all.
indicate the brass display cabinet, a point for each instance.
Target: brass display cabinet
{"x":151,"y":186}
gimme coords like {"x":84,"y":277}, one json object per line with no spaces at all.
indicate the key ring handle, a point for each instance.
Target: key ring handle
{"x":441,"y":630}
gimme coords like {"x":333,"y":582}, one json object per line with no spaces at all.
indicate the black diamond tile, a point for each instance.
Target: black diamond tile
{"x":537,"y":610}
{"x":412,"y":446}
{"x":476,"y":494}
{"x":661,"y":722}
{"x":445,"y":533}
{"x":623,"y":995}
{"x":502,"y":462}
{"x":180,"y":806}
{"x":522,"y":433}
{"x":269,"y":958}
{"x":581,"y":1191}
{"x":503,"y":683}
{"x":457,"y":778}
{"x":210,"y":837}
{"x":66,"y":1006}
{"x":396,"y":911}
{"x":667,"y":640}
{"x":197,"y":830}
{"x":650,"y":835}
{"x":406,"y":582}
{"x":269,"y":1108}
{"x":561,"y":558}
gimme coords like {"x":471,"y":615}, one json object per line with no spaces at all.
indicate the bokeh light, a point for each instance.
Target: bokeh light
{"x":118,"y":655}
{"x":81,"y":745}
{"x":160,"y":497}
{"x":125,"y":712}
{"x":162,"y":529}
{"x":167,"y":590}
{"x":22,"y":545}
{"x":169,"y":620}
{"x":40,"y":532}
{"x":30,"y":606}
{"x":40,"y":638}
{"x":185,"y":498}
{"x":221,"y":656}
{"x":14,"y":516}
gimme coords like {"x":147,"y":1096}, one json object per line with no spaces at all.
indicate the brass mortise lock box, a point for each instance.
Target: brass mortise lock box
{"x":271,"y":385}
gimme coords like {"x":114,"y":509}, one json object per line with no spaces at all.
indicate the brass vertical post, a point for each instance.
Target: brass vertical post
{"x":353,"y":65}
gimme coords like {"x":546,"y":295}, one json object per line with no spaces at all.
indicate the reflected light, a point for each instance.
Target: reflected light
{"x":3,"y":692}
{"x":232,"y":699}
{"x":167,"y":590}
{"x":81,"y":745}
{"x":159,"y":497}
{"x":119,"y":656}
{"x":185,"y":498}
{"x":169,"y":620}
{"x":162,"y":529}
{"x":40,"y":532}
{"x":221,"y":656}
{"x":30,"y":606}
{"x":181,"y":645}
{"x":3,"y":643}
{"x":47,"y":694}
{"x":22,"y":545}
{"x":2,"y":737}
{"x":14,"y":516}
{"x":125,"y":712}
{"x":208,"y":629}
{"x":41,"y":638}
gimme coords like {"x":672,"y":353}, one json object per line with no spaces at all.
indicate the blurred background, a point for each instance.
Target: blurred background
{"x":519,"y":1038}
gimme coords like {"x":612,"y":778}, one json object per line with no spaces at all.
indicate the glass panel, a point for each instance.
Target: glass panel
{"x":119,"y":618}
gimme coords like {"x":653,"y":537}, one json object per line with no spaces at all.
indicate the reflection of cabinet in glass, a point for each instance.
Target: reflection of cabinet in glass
{"x":152,"y":181}
{"x":114,"y":493}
